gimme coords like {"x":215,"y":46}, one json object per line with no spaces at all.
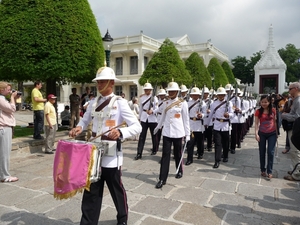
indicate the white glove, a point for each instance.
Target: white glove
{"x":187,"y":138}
{"x":156,"y":129}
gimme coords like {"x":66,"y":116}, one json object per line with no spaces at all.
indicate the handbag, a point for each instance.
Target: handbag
{"x":286,"y":125}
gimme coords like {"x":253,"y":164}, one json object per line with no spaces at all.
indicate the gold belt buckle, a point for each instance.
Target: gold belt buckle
{"x":194,"y":119}
{"x":221,"y":121}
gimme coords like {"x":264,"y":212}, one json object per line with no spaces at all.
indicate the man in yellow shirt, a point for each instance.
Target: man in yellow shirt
{"x":38,"y":110}
{"x":50,"y":124}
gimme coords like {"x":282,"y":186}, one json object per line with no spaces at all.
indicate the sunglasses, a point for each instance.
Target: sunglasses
{"x":291,"y":88}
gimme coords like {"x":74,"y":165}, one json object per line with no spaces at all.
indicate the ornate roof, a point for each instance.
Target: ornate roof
{"x":271,"y":58}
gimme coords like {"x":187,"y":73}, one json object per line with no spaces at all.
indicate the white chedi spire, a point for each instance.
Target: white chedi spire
{"x":271,"y":58}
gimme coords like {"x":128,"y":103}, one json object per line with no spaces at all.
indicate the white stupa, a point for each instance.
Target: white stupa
{"x":270,"y":70}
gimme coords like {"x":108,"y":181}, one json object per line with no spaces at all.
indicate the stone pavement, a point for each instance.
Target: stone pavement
{"x":234,"y":194}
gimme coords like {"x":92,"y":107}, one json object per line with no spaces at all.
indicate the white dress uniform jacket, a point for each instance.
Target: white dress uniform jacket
{"x":196,"y":125}
{"x":206,"y":119}
{"x":236,"y":103}
{"x":119,"y":113}
{"x":143,"y":116}
{"x":217,"y":115}
{"x":176,"y":120}
{"x":159,"y":110}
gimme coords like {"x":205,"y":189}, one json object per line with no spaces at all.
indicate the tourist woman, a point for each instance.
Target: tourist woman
{"x":265,"y":134}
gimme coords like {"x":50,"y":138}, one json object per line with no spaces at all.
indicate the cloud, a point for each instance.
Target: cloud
{"x":238,"y":28}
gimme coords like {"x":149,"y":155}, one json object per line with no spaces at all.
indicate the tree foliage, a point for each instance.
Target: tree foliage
{"x":291,"y":56}
{"x":244,"y":68}
{"x":215,"y":69}
{"x":44,"y":39}
{"x":198,"y":71}
{"x":228,"y":72}
{"x":164,"y":66}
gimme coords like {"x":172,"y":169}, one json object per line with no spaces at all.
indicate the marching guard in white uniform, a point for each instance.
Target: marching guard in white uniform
{"x":158,"y":112}
{"x":197,"y":111}
{"x":176,"y":126}
{"x":148,"y":104}
{"x":220,"y":114}
{"x":106,"y":112}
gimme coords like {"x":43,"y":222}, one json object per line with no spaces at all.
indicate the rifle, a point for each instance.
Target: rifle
{"x":235,"y":97}
{"x":227,"y":100}
{"x":210,"y":98}
{"x":152,"y":96}
{"x":201,"y":100}
{"x":187,"y":98}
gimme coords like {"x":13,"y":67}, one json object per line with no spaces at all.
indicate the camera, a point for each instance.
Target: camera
{"x":19,"y":92}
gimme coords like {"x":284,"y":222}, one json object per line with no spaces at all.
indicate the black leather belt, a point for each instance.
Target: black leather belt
{"x":223,"y":120}
{"x":195,"y":118}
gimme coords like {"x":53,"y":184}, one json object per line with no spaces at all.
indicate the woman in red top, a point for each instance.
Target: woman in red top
{"x":265,"y":132}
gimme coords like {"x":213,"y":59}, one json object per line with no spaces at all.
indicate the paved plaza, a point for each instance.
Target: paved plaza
{"x":234,"y":194}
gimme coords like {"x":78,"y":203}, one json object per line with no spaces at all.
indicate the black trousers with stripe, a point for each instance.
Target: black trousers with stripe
{"x":92,"y":200}
{"x":166,"y":156}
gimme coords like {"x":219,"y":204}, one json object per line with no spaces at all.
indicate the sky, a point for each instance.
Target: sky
{"x":236,"y":27}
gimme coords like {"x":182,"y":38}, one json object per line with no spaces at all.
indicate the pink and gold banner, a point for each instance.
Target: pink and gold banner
{"x":72,"y":168}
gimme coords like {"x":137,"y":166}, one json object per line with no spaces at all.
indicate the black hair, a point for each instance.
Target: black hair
{"x":261,"y":109}
{"x":37,"y":83}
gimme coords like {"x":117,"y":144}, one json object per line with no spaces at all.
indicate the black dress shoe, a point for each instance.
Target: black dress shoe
{"x":124,"y":223}
{"x":232,"y":151}
{"x":153,"y":153}
{"x":188,"y":163}
{"x":138,"y":156}
{"x":225,"y":160}
{"x":160,"y":184}
{"x":39,"y":137}
{"x":200,"y":157}
{"x":239,"y":146}
{"x":209,"y":149}
{"x":222,"y":156}
{"x":178,"y":175}
{"x":216,"y":165}
{"x":49,"y":152}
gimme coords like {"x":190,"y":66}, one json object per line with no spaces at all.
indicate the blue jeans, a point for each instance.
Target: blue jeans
{"x":265,"y":138}
{"x":38,"y":122}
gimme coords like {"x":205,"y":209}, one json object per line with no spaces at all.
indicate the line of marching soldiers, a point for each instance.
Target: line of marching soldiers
{"x":222,"y":117}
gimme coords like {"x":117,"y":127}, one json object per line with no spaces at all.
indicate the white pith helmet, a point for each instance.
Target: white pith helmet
{"x":162,"y":92}
{"x":195,"y":91}
{"x":212,"y":91}
{"x":221,"y":91}
{"x":206,"y":90}
{"x":228,"y":86}
{"x":183,"y":88}
{"x":147,"y":86}
{"x":173,"y":86}
{"x":239,"y":92}
{"x":105,"y":73}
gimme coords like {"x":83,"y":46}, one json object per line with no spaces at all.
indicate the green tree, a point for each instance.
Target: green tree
{"x":291,"y":56}
{"x":52,"y":41}
{"x":215,"y":69}
{"x":228,"y":72}
{"x":240,"y":69}
{"x":164,"y":66}
{"x":198,"y":71}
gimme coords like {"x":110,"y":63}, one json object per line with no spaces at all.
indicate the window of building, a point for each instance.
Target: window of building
{"x":118,"y":90}
{"x":119,"y":66}
{"x":145,"y":62}
{"x":133,"y":65}
{"x":133,"y":91}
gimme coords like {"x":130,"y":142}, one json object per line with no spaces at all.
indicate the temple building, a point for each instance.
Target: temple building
{"x":270,"y":70}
